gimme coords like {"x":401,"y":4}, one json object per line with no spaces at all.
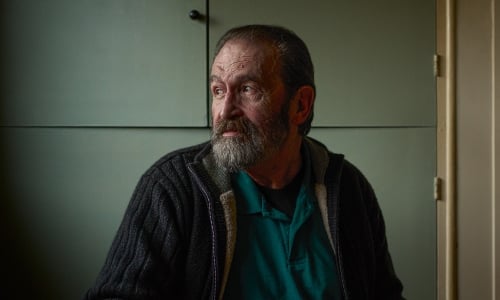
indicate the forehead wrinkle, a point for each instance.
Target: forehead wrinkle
{"x":261,"y":63}
{"x":234,"y":64}
{"x":252,"y":74}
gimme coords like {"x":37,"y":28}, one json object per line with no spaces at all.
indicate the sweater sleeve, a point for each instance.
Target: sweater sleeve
{"x":387,"y":285}
{"x":364,"y":250}
{"x":148,"y":245}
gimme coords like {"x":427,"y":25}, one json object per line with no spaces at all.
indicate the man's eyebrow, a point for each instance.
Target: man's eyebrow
{"x":239,"y":78}
{"x":248,"y":77}
{"x":214,"y":78}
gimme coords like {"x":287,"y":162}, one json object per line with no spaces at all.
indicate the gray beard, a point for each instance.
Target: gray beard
{"x":234,"y":154}
{"x":251,"y":146}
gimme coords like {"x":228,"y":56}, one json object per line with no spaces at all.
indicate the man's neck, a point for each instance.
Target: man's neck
{"x":279,"y":169}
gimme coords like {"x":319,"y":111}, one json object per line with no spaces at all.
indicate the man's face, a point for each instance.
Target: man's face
{"x":249,"y":109}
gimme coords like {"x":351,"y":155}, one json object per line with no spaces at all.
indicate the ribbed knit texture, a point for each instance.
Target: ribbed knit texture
{"x":159,"y":252}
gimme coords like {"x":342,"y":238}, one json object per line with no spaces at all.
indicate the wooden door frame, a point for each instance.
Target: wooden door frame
{"x":446,"y":151}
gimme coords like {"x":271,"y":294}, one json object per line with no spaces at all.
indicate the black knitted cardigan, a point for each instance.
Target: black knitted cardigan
{"x":177,"y":237}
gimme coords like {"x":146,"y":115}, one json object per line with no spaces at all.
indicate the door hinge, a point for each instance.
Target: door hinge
{"x":437,"y":65}
{"x":437,"y":188}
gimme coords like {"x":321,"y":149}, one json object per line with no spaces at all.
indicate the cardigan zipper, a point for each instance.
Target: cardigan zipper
{"x":212,"y":227}
{"x":335,"y":232}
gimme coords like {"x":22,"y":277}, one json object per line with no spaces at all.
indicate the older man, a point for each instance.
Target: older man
{"x":261,"y":211}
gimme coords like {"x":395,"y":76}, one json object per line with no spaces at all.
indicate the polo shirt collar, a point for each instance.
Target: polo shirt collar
{"x":251,"y":201}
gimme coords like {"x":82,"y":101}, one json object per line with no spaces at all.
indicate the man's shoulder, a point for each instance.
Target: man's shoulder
{"x":337,"y":162}
{"x":179,"y":159}
{"x":321,"y":155}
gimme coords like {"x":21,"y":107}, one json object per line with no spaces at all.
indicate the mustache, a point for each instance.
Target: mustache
{"x":241,"y":125}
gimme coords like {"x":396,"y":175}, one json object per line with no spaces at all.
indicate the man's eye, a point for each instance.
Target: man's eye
{"x":217,"y":91}
{"x":248,"y":89}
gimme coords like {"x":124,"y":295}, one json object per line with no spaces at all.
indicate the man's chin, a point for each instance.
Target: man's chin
{"x":233,"y":157}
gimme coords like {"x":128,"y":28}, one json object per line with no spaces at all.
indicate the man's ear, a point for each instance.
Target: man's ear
{"x":305,"y":100}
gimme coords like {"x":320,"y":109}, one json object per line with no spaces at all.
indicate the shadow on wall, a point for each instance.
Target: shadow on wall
{"x":24,"y":274}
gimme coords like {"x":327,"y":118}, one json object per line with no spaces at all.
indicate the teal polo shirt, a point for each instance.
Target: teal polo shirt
{"x":277,"y":256}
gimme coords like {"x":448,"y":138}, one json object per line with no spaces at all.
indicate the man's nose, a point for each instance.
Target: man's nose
{"x":231,"y":106}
